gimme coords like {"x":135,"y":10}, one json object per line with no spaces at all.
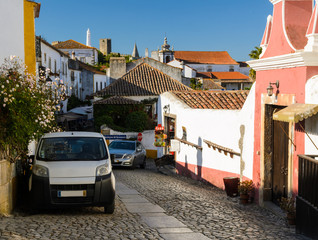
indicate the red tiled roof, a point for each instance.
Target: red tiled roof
{"x":143,"y":80}
{"x":229,"y":75}
{"x":229,"y":100}
{"x":71,"y":44}
{"x":221,"y":57}
{"x":211,"y":84}
{"x":91,"y":68}
{"x":116,"y":100}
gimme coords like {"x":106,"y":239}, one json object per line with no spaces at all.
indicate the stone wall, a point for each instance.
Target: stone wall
{"x":8,"y":187}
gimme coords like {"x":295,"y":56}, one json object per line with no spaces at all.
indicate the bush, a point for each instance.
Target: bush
{"x":27,"y":108}
{"x":74,"y":102}
{"x":137,"y":121}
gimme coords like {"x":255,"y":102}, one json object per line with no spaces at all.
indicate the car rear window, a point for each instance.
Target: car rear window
{"x":122,"y":145}
{"x":72,"y":149}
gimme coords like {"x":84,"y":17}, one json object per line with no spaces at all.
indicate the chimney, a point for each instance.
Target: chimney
{"x":73,"y":55}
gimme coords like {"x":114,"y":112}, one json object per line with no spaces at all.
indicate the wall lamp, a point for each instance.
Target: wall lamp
{"x":270,"y":88}
{"x":166,"y":108}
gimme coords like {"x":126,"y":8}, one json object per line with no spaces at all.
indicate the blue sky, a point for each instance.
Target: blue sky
{"x":235,"y":26}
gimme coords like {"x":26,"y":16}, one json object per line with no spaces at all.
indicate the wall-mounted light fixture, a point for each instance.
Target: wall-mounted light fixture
{"x":166,"y":108}
{"x":270,"y":88}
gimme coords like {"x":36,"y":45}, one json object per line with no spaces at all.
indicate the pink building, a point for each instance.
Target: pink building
{"x":289,"y":58}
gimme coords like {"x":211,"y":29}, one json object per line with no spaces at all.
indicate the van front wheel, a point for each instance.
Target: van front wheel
{"x":110,"y":208}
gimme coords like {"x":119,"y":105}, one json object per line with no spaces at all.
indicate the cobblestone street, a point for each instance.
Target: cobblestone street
{"x":198,"y":209}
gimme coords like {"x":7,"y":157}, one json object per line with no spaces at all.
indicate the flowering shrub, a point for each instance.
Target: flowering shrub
{"x":288,"y":205}
{"x":27,"y":108}
{"x":245,"y":187}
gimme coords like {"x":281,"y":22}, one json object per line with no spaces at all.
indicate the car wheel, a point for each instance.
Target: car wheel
{"x":110,"y":208}
{"x":143,"y":165}
{"x":133,"y":165}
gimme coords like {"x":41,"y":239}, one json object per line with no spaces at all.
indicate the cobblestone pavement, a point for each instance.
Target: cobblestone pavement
{"x":202,"y":208}
{"x":206,"y":209}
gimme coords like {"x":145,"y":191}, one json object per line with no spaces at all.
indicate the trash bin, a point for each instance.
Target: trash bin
{"x":231,"y":186}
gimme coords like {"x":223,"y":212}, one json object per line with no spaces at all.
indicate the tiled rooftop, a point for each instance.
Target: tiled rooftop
{"x":91,"y":68}
{"x":143,"y":80}
{"x":71,"y":44}
{"x":221,"y":57}
{"x":230,"y":100}
{"x":223,"y":75}
{"x":116,"y":100}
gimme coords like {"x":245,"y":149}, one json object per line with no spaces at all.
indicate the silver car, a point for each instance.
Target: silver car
{"x":127,"y":153}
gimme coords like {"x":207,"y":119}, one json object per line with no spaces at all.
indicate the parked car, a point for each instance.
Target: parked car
{"x":127,"y":153}
{"x":72,"y":168}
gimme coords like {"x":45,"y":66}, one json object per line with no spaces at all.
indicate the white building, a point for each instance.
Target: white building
{"x":83,"y":53}
{"x":212,"y":132}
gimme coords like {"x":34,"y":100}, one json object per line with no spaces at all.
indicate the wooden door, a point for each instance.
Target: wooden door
{"x":280,"y":160}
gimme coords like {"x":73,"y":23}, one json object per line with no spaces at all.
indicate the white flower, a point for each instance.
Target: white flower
{"x":4,"y":105}
{"x":2,"y":86}
{"x":5,"y":99}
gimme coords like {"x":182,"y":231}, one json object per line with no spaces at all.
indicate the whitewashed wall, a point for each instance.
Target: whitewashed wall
{"x":12,"y":30}
{"x":311,"y":124}
{"x":223,"y":127}
{"x":90,"y":55}
{"x":99,"y":79}
{"x":215,"y":68}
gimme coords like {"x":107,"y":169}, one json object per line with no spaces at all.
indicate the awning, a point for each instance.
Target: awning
{"x":296,"y":112}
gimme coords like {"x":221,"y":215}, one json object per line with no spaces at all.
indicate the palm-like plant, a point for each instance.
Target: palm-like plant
{"x":254,"y":54}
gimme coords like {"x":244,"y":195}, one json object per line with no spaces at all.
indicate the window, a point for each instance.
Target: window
{"x":72,"y":76}
{"x":167,"y":59}
{"x":96,"y":86}
{"x":44,"y":58}
{"x":55,"y":66}
{"x":209,"y":69}
{"x":101,"y":85}
{"x":62,"y":67}
{"x":82,"y":59}
{"x":50,"y":64}
{"x":231,"y":69}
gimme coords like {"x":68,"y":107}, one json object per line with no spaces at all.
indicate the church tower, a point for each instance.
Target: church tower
{"x":135,"y":54}
{"x":165,"y":54}
{"x":88,"y":38}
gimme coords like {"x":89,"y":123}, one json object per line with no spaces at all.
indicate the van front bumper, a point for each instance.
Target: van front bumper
{"x":46,"y":195}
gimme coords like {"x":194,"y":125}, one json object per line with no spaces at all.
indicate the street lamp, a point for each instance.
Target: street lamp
{"x":166,"y":108}
{"x":270,"y":88}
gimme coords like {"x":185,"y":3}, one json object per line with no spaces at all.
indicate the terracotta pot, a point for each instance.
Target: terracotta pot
{"x":231,"y":186}
{"x":244,"y":198}
{"x":291,"y":218}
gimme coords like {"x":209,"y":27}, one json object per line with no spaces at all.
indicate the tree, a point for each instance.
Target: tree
{"x":27,"y":108}
{"x":195,"y":84}
{"x":254,"y":54}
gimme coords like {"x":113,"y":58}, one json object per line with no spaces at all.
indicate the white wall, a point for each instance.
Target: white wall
{"x":222,"y":127}
{"x":90,"y":55}
{"x":99,"y":78}
{"x":12,"y":29}
{"x":215,"y":68}
{"x":311,"y":124}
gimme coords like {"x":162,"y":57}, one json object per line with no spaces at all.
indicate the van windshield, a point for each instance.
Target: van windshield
{"x":72,"y":149}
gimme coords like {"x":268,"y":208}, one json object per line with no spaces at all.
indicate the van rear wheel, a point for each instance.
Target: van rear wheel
{"x":110,"y":208}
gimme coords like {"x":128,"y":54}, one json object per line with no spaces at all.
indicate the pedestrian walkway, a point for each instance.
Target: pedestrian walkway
{"x":154,"y":216}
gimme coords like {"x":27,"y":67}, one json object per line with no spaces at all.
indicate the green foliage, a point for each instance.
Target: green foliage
{"x":136,"y":121}
{"x":115,"y":117}
{"x":254,"y":54}
{"x":195,"y":84}
{"x":74,"y":102}
{"x":27,"y":108}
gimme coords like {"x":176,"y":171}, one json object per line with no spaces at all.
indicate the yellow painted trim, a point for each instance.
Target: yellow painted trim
{"x":151,"y":153}
{"x":29,"y":36}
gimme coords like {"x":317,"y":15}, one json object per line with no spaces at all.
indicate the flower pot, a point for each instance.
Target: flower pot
{"x":244,"y":198}
{"x":231,"y":186}
{"x":291,"y":218}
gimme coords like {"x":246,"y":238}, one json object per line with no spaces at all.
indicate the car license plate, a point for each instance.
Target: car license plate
{"x":79,"y":193}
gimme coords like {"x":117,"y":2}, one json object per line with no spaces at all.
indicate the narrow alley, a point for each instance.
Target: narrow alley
{"x":152,"y":205}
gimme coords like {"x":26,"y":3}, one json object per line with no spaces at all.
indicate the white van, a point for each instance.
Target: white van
{"x":72,"y":168}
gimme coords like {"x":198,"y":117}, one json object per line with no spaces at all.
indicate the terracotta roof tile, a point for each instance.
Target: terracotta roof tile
{"x":143,"y":80}
{"x":116,"y":100}
{"x":229,"y":75}
{"x":91,"y":68}
{"x":71,"y":44}
{"x":221,"y":57}
{"x":229,"y":100}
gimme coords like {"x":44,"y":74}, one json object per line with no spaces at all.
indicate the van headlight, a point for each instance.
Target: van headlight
{"x":103,"y":169}
{"x":40,"y":171}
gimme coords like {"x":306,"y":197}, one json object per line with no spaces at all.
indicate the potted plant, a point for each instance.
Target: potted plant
{"x":244,"y":188}
{"x":289,"y":206}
